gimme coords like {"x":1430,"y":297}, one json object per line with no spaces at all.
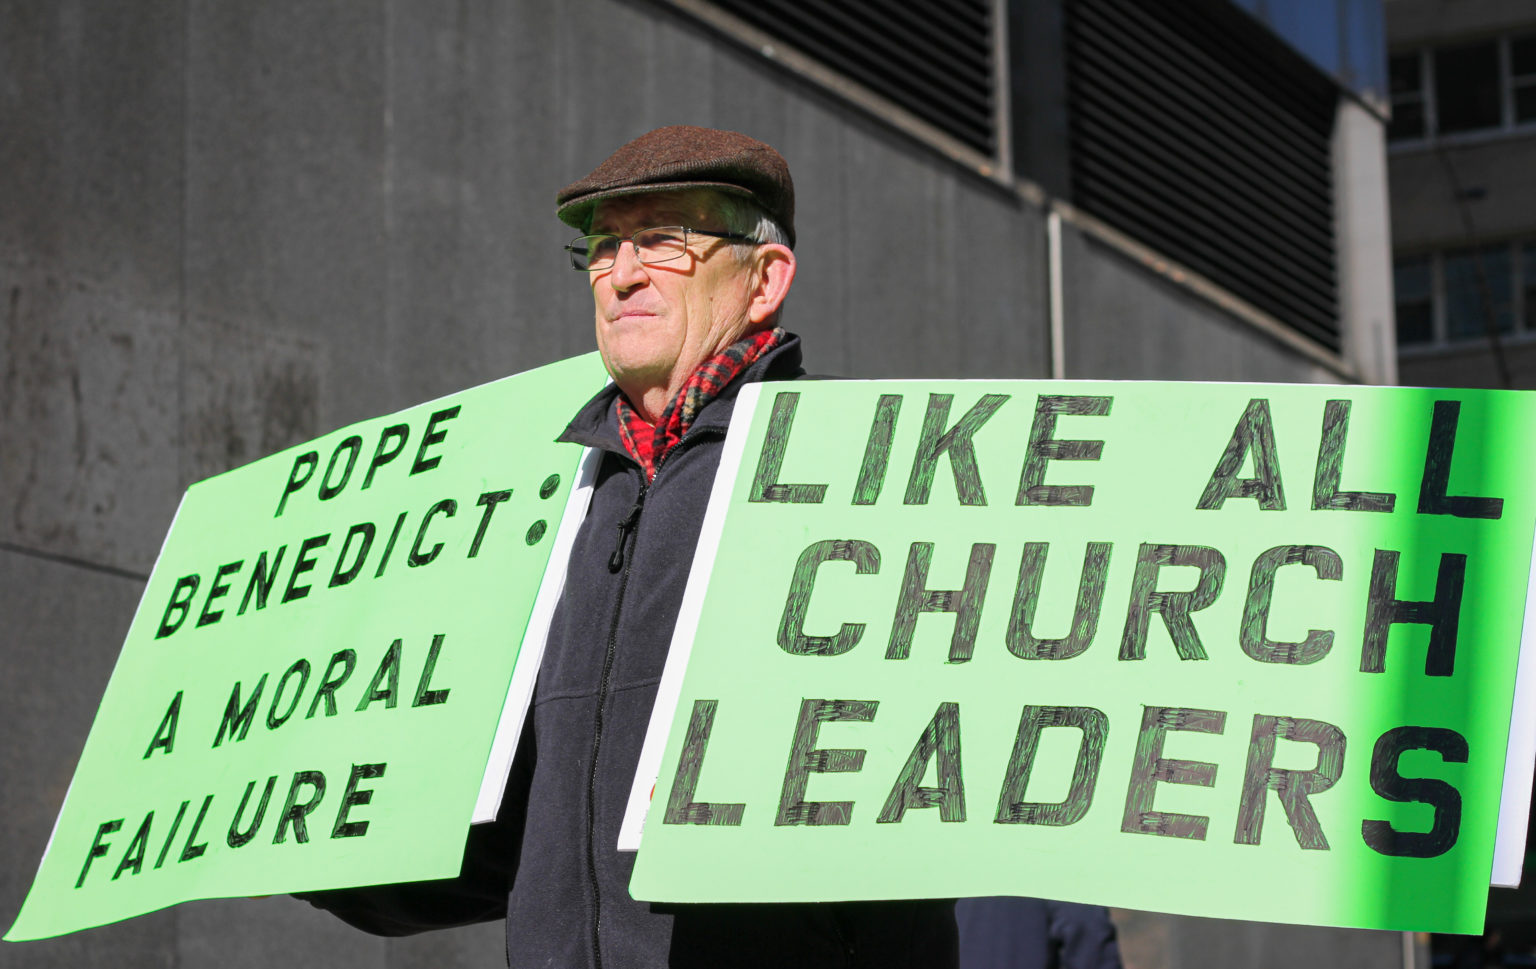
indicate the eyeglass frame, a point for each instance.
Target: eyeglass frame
{"x":571,"y":246}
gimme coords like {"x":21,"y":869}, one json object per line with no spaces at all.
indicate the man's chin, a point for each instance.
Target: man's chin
{"x":630,"y":370}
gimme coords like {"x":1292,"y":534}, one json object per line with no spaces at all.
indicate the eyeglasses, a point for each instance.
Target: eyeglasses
{"x":659,"y":244}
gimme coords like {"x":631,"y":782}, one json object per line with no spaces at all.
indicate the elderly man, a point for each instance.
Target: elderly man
{"x":687,"y":247}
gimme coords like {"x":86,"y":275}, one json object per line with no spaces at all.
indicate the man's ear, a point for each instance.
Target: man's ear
{"x":775,"y":273}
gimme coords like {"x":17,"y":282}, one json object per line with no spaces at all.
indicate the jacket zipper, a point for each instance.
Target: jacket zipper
{"x":627,"y":527}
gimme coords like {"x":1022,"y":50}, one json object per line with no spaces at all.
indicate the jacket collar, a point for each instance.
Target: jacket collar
{"x":594,"y":425}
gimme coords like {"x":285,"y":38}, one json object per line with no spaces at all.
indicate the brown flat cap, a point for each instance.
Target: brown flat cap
{"x":683,"y":157}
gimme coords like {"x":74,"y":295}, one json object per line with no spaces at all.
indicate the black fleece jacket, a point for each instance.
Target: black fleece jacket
{"x":549,"y":861}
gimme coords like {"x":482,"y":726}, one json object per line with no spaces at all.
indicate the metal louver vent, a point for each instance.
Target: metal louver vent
{"x":933,"y":59}
{"x":1195,"y":131}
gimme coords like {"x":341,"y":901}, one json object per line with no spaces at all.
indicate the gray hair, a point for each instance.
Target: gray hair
{"x":744,"y":217}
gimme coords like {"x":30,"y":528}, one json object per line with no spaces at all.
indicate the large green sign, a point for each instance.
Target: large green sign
{"x":309,"y":689}
{"x":1227,"y":650}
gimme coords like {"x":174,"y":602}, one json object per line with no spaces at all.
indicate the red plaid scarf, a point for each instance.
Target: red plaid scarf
{"x":648,"y":443}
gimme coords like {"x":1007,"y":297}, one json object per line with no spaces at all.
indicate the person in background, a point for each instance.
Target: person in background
{"x":1033,"y":933}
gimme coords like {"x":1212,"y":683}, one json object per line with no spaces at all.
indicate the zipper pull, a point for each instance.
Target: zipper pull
{"x":626,"y":526}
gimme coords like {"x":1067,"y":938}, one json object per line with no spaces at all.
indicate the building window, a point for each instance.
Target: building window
{"x":1522,"y":77}
{"x":1477,"y":289}
{"x":1412,"y":280}
{"x":1452,"y":296}
{"x":1406,"y":76}
{"x":1528,"y":291}
{"x":1467,"y":87}
{"x":1454,"y":89}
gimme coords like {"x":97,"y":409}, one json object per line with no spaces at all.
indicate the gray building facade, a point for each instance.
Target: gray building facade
{"x":228,"y":227}
{"x":1461,"y":153}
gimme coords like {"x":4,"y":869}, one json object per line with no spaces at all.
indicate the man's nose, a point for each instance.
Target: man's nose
{"x":628,"y":270}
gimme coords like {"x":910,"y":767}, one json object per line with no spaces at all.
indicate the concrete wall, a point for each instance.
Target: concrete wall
{"x":1491,"y":178}
{"x":1126,"y":323}
{"x":1414,"y":22}
{"x":1471,"y":365}
{"x":1363,"y":233}
{"x":227,"y":227}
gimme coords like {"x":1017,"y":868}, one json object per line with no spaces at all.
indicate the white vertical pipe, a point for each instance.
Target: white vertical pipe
{"x":1002,"y":113}
{"x":1054,"y":292}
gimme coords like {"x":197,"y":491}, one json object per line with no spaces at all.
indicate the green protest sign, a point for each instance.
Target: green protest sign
{"x":308,"y":691}
{"x":1227,"y":650}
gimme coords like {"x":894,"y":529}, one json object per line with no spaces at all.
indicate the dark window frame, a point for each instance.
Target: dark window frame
{"x":1512,"y":89}
{"x":1517,"y":282}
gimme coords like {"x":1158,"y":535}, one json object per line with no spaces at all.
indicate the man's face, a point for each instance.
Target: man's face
{"x":656,"y":323}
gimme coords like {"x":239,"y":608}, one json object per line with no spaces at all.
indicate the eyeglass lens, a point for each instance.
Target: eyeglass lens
{"x":658,"y":244}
